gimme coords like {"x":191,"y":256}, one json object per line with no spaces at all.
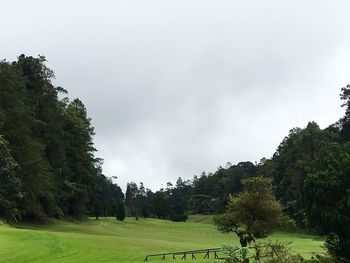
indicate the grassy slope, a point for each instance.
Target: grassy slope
{"x":107,"y":240}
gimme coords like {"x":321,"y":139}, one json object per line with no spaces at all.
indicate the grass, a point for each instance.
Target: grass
{"x":204,"y":219}
{"x":108,"y":240}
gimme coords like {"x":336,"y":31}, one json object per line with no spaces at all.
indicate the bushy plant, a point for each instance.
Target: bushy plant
{"x":120,"y":213}
{"x":253,"y":213}
{"x":275,"y":252}
{"x":178,"y":217}
{"x":287,"y":224}
{"x":236,"y":254}
{"x":322,"y":259}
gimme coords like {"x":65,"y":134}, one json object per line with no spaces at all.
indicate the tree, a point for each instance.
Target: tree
{"x":327,"y":200}
{"x":220,"y":185}
{"x":10,"y":184}
{"x":251,"y":214}
{"x":300,"y":153}
{"x":19,"y":129}
{"x":120,"y":215}
{"x":79,"y":181}
{"x":107,"y":197}
{"x":133,"y":196}
{"x":345,"y":121}
{"x":161,"y":205}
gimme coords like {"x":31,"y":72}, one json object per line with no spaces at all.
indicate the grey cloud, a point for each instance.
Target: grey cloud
{"x":177,"y":87}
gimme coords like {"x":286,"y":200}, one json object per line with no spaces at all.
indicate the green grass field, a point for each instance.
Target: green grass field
{"x":108,"y":240}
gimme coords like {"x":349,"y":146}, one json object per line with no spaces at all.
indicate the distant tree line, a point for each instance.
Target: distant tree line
{"x":207,"y":194}
{"x":47,"y":163}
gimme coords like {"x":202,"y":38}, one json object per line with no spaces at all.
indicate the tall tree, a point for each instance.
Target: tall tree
{"x":80,"y":179}
{"x":10,"y":184}
{"x":161,"y":206}
{"x":19,"y":130}
{"x":120,"y":214}
{"x":328,"y":203}
{"x":345,"y":121}
{"x":131,"y":200}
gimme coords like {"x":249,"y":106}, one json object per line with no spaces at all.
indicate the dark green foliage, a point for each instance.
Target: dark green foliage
{"x":311,"y":170}
{"x":178,"y":217}
{"x":215,"y":188}
{"x":133,"y":200}
{"x":161,"y":206}
{"x":276,"y":252}
{"x":299,"y":154}
{"x":205,"y":195}
{"x":328,"y":203}
{"x":10,"y":184}
{"x":253,"y":213}
{"x":107,"y":198}
{"x":287,"y":224}
{"x":120,"y":213}
{"x":234,"y":254}
{"x":345,"y":121}
{"x":51,"y":141}
{"x":327,"y":194}
{"x":321,"y":259}
{"x":20,"y":128}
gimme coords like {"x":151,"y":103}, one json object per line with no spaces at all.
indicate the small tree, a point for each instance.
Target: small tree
{"x":120,"y":215}
{"x":253,"y":213}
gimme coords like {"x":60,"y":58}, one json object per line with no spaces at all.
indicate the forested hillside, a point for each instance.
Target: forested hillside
{"x":48,"y":167}
{"x":310,"y":171}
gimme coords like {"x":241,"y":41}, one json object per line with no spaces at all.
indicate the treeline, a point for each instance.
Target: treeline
{"x":206,"y":194}
{"x":47,"y":163}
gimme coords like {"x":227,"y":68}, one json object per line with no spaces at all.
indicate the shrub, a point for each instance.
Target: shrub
{"x":322,"y":259}
{"x":287,"y":224}
{"x":179,"y":218}
{"x":236,"y":254}
{"x":276,"y":252}
{"x":120,"y":213}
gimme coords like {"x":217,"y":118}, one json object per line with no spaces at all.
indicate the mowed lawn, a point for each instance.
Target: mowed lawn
{"x":108,"y":240}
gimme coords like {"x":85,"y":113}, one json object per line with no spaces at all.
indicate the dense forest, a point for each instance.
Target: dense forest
{"x":48,"y":167}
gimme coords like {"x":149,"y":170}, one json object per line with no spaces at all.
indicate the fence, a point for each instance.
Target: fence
{"x":192,"y":254}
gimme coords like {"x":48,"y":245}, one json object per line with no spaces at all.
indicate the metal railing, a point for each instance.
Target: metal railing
{"x":192,"y":254}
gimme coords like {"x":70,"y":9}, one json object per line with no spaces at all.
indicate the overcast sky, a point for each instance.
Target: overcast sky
{"x":175,"y":88}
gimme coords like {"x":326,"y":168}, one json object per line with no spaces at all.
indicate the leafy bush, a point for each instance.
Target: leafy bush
{"x":236,"y":254}
{"x":276,"y":252}
{"x":120,"y":212}
{"x":287,"y":224}
{"x":322,"y":259}
{"x":268,"y":252}
{"x":179,"y":218}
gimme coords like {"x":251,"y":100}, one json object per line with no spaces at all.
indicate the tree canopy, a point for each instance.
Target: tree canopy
{"x":51,"y":142}
{"x":253,"y":213}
